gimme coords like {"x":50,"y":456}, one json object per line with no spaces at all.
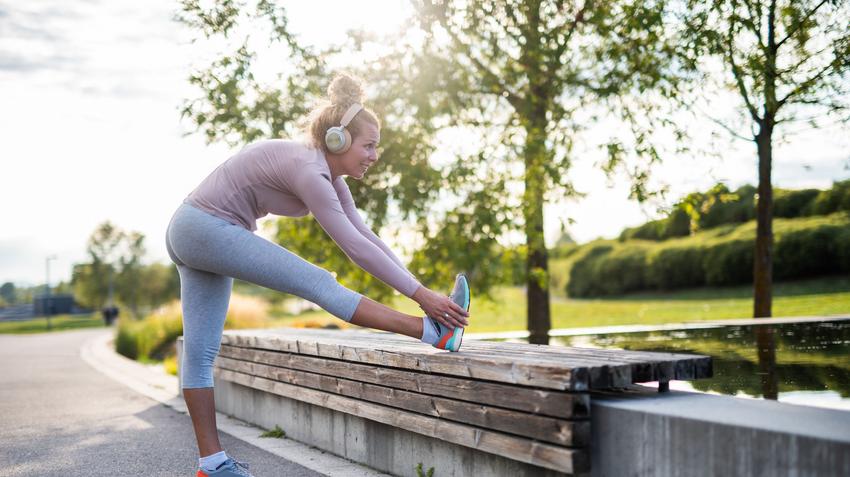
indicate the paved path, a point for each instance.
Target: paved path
{"x":61,"y":417}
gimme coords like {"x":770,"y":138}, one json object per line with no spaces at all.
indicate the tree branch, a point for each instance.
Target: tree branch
{"x":755,"y":24}
{"x":804,"y":85}
{"x":562,"y":47}
{"x":442,"y":19}
{"x":736,"y":72}
{"x":802,"y":22}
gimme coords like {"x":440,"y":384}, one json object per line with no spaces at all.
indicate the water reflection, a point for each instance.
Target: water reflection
{"x":766,"y":346}
{"x":759,"y":361}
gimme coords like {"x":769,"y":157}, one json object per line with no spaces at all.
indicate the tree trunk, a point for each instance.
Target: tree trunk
{"x":763,"y":263}
{"x":537,"y":262}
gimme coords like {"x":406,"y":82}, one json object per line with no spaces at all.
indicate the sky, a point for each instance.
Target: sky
{"x":90,"y":131}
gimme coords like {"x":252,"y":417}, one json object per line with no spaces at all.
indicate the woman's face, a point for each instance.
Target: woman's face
{"x":363,"y":152}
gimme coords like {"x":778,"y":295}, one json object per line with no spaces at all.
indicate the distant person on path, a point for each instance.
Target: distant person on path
{"x":210,"y":238}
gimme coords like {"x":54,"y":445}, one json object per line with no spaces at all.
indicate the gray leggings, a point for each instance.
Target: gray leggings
{"x":209,"y":252}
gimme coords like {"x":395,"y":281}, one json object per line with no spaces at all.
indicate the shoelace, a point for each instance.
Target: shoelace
{"x":241,"y":467}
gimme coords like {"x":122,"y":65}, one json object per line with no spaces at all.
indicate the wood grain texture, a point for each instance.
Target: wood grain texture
{"x":522,"y":449}
{"x":549,"y":367}
{"x":532,"y":400}
{"x":573,"y":433}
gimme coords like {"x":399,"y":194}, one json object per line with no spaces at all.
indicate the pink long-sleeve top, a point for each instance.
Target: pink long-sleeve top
{"x":292,"y":179}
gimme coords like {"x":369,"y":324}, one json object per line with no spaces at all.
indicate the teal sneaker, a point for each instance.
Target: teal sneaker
{"x":229,"y":468}
{"x":451,"y":338}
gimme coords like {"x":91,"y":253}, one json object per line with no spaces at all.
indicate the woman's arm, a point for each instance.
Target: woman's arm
{"x":436,"y":305}
{"x":317,"y":193}
{"x":350,"y":209}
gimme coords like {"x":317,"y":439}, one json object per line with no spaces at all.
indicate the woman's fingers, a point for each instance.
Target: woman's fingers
{"x":459,"y":309}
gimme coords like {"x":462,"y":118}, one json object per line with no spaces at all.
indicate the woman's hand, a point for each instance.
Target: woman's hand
{"x":441,"y":308}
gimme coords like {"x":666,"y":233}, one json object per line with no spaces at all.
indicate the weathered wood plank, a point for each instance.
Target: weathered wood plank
{"x":644,"y":365}
{"x":557,"y":431}
{"x":533,"y":452}
{"x":552,"y":367}
{"x":419,"y":357}
{"x":537,"y":401}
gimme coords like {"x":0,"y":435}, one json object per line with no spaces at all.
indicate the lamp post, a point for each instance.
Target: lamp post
{"x":47,"y":288}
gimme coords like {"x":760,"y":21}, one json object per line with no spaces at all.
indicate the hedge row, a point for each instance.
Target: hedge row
{"x":720,"y":206}
{"x":723,"y":256}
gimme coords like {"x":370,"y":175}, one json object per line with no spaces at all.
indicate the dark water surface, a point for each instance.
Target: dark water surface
{"x":801,"y":363}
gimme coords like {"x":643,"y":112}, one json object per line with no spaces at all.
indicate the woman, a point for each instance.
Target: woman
{"x":210,"y":238}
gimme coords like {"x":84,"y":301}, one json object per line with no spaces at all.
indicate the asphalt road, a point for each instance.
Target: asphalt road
{"x":61,"y":417}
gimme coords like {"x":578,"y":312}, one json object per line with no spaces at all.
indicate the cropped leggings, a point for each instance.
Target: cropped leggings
{"x":209,"y":252}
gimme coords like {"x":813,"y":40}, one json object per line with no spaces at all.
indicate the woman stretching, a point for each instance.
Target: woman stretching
{"x":210,"y":238}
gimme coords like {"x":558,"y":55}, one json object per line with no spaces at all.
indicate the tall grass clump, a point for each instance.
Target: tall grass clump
{"x":153,"y":337}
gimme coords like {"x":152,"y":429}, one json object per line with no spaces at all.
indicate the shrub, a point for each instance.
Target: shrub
{"x":677,"y":266}
{"x":722,"y":256}
{"x":729,"y":262}
{"x":724,"y":207}
{"x":581,"y":274}
{"x":842,"y":240}
{"x":832,"y":200}
{"x":620,"y":271}
{"x":807,"y":252}
{"x":153,"y":337}
{"x":651,"y":230}
{"x":793,"y":203}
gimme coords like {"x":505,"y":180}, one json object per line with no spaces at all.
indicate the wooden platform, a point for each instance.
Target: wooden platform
{"x":526,"y":402}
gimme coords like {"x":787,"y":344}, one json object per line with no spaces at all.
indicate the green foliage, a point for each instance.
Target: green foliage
{"x":793,"y":203}
{"x":720,"y":256}
{"x":833,"y":200}
{"x":718,"y":206}
{"x":152,"y":337}
{"x":306,"y":238}
{"x":277,"y":433}
{"x":8,"y":294}
{"x":421,"y":473}
{"x":512,"y":75}
{"x":116,"y":256}
{"x":678,"y":266}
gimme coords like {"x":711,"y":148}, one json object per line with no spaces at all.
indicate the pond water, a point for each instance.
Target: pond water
{"x":801,"y":363}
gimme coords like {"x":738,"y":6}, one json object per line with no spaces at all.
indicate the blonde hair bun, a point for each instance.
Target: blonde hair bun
{"x":345,"y":90}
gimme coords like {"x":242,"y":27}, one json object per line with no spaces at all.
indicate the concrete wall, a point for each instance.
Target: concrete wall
{"x":691,"y":434}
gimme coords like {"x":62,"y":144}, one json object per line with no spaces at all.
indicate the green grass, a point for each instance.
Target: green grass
{"x":277,"y":432}
{"x":822,"y":296}
{"x":58,"y":323}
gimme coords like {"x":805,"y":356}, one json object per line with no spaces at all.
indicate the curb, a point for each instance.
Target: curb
{"x":153,"y":382}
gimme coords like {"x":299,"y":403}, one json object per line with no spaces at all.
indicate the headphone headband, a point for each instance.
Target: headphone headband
{"x":350,"y":113}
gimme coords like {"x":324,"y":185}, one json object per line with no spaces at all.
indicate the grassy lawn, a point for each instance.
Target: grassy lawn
{"x":822,"y":296}
{"x":58,"y":323}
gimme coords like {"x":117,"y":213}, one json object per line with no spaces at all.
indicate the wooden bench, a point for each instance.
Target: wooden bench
{"x":528,"y":403}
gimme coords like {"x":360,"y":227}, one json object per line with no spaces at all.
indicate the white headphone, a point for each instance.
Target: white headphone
{"x":338,"y":139}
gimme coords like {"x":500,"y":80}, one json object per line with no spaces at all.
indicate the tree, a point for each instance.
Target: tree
{"x":536,"y":67}
{"x":787,"y":61}
{"x":514,"y":74}
{"x":237,"y":107}
{"x":94,"y":281}
{"x":116,"y":272}
{"x":8,"y":293}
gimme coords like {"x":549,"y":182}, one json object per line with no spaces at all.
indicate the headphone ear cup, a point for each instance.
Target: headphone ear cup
{"x":347,"y":144}
{"x":337,"y":139}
